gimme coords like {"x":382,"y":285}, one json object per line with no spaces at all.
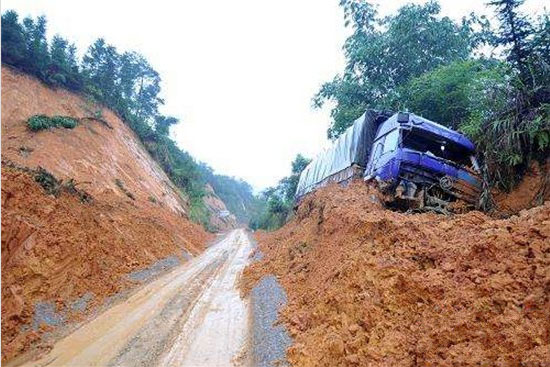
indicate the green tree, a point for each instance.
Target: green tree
{"x":74,"y":77}
{"x":540,"y":45}
{"x":140,"y":86}
{"x":100,"y":67}
{"x":514,"y":32}
{"x":13,"y":40}
{"x":279,"y":200}
{"x":445,"y":94}
{"x":59,"y":69}
{"x":383,"y":54}
{"x":37,"y":57}
{"x":163,"y":123}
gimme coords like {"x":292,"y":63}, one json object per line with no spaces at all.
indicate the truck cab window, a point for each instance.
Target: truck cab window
{"x":378,"y":150}
{"x":431,"y":144}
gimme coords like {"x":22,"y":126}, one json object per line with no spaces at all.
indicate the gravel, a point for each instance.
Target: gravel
{"x":45,"y":313}
{"x":269,"y":340}
{"x":157,"y":268}
{"x":81,"y":303}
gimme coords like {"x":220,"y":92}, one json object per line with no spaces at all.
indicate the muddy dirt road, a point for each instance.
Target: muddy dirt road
{"x":192,"y":316}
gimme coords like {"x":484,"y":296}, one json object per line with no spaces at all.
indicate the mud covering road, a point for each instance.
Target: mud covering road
{"x":192,"y":316}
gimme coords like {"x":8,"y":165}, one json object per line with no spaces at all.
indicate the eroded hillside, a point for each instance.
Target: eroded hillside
{"x":103,"y":155}
{"x":373,"y":287}
{"x":57,"y":249}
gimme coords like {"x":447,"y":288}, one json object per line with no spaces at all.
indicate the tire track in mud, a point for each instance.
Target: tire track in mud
{"x":147,"y":346}
{"x":217,"y":327}
{"x":191,"y":316}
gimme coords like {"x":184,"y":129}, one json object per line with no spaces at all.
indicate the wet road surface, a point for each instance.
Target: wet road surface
{"x":192,"y":316}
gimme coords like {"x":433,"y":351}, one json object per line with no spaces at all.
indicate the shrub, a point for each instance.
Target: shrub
{"x":38,"y":122}
{"x":48,"y":182}
{"x":41,"y":122}
{"x":64,"y":121}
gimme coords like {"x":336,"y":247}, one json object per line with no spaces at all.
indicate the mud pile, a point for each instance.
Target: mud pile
{"x":372,"y":287}
{"x":57,"y":249}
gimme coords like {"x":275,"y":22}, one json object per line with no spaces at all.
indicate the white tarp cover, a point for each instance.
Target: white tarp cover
{"x":352,"y":147}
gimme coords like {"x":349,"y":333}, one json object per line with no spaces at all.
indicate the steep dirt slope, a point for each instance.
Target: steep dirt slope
{"x":104,"y":159}
{"x":94,"y":154}
{"x":371,"y":287}
{"x":56,"y":249}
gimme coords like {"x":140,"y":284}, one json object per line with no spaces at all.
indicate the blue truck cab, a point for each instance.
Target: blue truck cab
{"x":423,"y":163}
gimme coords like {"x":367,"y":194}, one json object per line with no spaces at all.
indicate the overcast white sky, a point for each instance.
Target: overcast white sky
{"x":239,"y":74}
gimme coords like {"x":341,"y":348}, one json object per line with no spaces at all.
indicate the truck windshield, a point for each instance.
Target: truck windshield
{"x":429,"y":143}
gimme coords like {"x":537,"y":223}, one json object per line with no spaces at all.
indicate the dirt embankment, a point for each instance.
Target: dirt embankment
{"x":57,"y":249}
{"x":105,"y":158}
{"x":533,"y":190}
{"x":372,"y":287}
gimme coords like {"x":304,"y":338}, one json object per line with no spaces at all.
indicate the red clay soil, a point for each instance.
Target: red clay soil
{"x":92,"y":153}
{"x":533,"y":190}
{"x":57,"y":249}
{"x":372,"y":287}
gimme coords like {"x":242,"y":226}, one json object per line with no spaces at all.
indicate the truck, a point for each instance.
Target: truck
{"x":417,"y":163}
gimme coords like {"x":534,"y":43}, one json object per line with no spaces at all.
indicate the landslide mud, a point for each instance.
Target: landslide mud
{"x":372,"y":287}
{"x":58,"y":252}
{"x":533,"y":190}
{"x":192,"y":316}
{"x":60,"y":249}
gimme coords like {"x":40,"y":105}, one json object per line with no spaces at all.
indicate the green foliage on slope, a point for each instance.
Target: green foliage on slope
{"x":279,"y":200}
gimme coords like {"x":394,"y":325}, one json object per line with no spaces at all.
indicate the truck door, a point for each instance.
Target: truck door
{"x":389,"y":146}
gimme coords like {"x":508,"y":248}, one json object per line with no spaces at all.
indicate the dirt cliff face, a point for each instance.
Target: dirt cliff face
{"x":95,"y":154}
{"x":533,"y":190}
{"x":57,"y":249}
{"x":372,"y":287}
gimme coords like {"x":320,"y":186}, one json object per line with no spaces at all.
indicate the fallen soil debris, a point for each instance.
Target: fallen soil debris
{"x":58,"y":249}
{"x":84,"y":211}
{"x":372,"y":287}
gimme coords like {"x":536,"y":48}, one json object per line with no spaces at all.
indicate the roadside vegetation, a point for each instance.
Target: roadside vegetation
{"x":124,"y":82}
{"x":278,"y":201}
